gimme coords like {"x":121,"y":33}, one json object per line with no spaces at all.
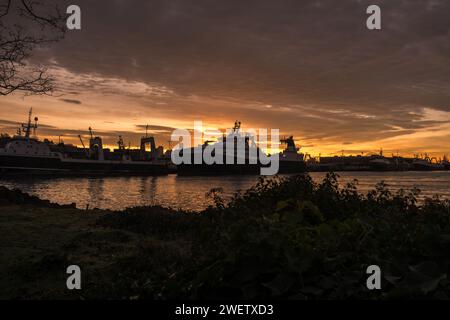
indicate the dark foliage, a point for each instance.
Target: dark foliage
{"x":291,"y":238}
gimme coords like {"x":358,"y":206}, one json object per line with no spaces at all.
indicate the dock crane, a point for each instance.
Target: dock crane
{"x":91,"y":133}
{"x":84,"y":147}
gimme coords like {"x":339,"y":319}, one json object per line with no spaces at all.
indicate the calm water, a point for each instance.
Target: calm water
{"x":189,"y":192}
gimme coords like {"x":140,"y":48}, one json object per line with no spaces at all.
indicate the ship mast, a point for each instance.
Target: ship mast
{"x":27,"y":127}
{"x":120,"y":143}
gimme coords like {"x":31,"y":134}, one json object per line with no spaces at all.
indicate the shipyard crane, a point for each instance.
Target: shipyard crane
{"x":84,"y":147}
{"x":91,"y":133}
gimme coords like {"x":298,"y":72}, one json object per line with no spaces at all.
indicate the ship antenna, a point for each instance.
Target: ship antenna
{"x":146,"y":131}
{"x":29,"y":122}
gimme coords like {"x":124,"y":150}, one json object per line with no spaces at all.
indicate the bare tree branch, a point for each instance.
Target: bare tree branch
{"x":4,"y":8}
{"x":53,"y":19}
{"x":18,"y":40}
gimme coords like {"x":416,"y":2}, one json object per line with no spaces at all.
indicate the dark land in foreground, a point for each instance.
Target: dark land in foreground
{"x":285,"y":238}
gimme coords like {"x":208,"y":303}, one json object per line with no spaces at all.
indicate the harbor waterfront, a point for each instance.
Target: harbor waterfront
{"x":189,"y":193}
{"x":235,"y":153}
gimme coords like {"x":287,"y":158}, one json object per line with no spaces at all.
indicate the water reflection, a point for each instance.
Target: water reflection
{"x":148,"y":190}
{"x":95,"y":189}
{"x":189,"y":192}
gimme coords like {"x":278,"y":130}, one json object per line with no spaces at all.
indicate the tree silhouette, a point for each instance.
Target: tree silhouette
{"x":24,"y":26}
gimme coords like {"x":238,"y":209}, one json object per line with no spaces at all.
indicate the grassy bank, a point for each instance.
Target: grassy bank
{"x":284,"y":238}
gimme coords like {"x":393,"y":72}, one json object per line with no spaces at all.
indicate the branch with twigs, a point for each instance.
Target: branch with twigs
{"x":18,"y":40}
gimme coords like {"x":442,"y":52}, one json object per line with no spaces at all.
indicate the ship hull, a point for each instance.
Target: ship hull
{"x":93,"y":167}
{"x":285,"y":167}
{"x":217,"y":169}
{"x":26,"y":165}
{"x":29,"y":165}
{"x":425,"y":167}
{"x":382,"y":167}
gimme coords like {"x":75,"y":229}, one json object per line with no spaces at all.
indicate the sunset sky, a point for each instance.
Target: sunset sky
{"x":310,"y":68}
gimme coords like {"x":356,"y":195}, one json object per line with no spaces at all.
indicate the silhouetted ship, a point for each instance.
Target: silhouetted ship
{"x":24,"y":154}
{"x":446,"y":163}
{"x":377,"y":162}
{"x":247,"y":161}
{"x":291,"y":160}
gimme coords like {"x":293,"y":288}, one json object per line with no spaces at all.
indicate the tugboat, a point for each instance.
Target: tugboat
{"x":25,"y":154}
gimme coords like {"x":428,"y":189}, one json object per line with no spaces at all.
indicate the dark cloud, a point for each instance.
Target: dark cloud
{"x":72,"y":101}
{"x":8,"y":123}
{"x":153,"y":128}
{"x":273,"y":51}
